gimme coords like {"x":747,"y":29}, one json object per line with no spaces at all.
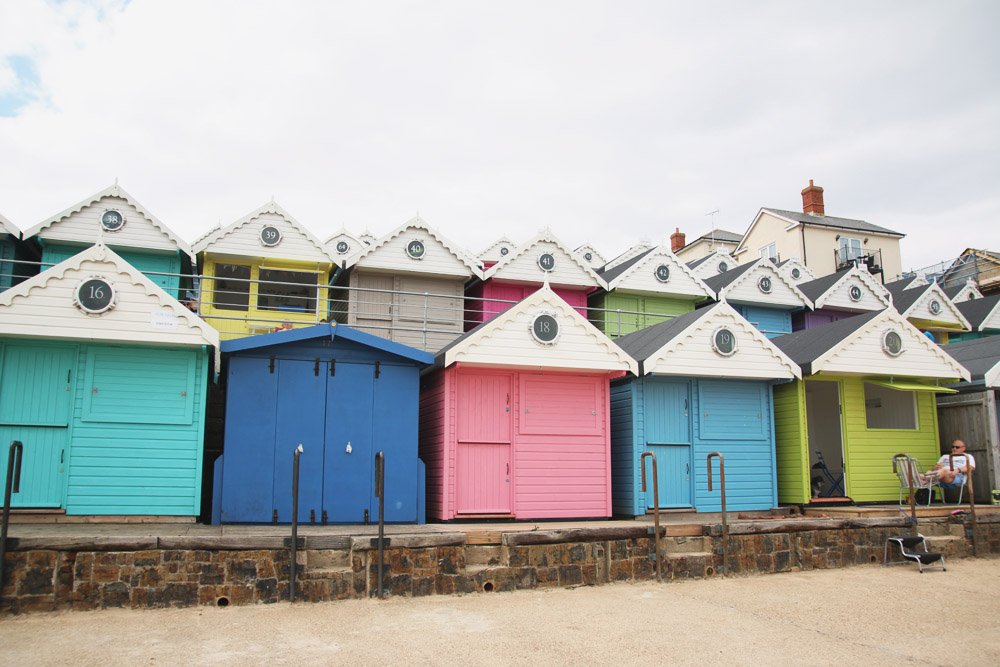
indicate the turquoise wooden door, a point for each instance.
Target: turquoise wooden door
{"x":35,"y":403}
{"x":668,"y":436}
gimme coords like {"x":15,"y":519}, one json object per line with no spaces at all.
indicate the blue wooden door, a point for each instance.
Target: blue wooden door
{"x":248,"y":466}
{"x":36,"y":395}
{"x":299,"y":420}
{"x":347,"y":475}
{"x":668,"y":436}
{"x":395,"y":432}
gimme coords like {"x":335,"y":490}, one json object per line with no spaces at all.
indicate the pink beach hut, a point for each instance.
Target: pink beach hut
{"x":514,"y":416}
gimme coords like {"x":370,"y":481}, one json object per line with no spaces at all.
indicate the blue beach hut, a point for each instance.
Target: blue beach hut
{"x":704,"y":385}
{"x":103,"y":377}
{"x":342,"y":394}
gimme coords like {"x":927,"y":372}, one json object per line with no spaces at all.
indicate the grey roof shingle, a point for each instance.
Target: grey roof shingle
{"x":903,"y":299}
{"x":616,"y":271}
{"x":720,"y":235}
{"x":830,"y":221}
{"x":814,"y":289}
{"x":978,"y":356}
{"x":804,"y":347}
{"x":642,"y":344}
{"x":977,"y":310}
{"x":717,"y":283}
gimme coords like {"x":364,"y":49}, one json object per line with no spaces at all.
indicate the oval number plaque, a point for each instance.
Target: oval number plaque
{"x":504,"y":250}
{"x":855,"y":293}
{"x":764,"y":284}
{"x":343,"y":247}
{"x":112,"y":220}
{"x":892,"y":343}
{"x":95,"y":296}
{"x":935,"y":307}
{"x":415,"y":249}
{"x":270,"y":236}
{"x":724,"y":341}
{"x":545,"y":328}
{"x":723,"y":267}
{"x":546,"y":262}
{"x":796,"y":274}
{"x":662,"y":273}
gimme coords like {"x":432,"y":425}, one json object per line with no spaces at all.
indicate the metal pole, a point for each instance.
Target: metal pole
{"x":972,"y":495}
{"x":295,"y":519}
{"x":656,"y":506}
{"x":722,"y":493}
{"x":13,"y":486}
{"x":380,"y":494}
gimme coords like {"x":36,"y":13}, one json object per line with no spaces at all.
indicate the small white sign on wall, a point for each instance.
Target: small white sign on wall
{"x":162,"y":319}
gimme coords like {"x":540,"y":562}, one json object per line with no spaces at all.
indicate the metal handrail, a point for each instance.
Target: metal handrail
{"x":295,"y":521}
{"x":380,"y":494}
{"x":722,"y":492}
{"x":656,"y":506}
{"x":14,"y":459}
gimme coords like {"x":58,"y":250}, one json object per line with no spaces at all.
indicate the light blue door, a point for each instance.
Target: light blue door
{"x":35,"y":402}
{"x":668,"y":436}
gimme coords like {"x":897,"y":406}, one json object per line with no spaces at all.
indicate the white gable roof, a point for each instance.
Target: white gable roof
{"x":711,"y":264}
{"x":523,"y":265}
{"x":243,"y":238}
{"x":873,"y":295}
{"x":496,"y":250}
{"x":862,"y":353}
{"x":923,"y":308}
{"x":691,"y":353}
{"x":440,"y":256}
{"x":634,"y":251}
{"x":641,"y":276}
{"x":968,"y":292}
{"x":596,"y":259}
{"x":9,"y":227}
{"x":507,"y":341}
{"x":747,"y":288}
{"x":80,"y":223}
{"x":354,"y":245}
{"x":43,"y":306}
{"x":797,"y":271}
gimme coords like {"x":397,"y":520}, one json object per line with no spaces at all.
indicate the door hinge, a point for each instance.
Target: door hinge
{"x":333,"y":367}
{"x":271,"y":367}
{"x":274,"y":518}
{"x":316,"y":368}
{"x":69,"y":374}
{"x":377,"y":370}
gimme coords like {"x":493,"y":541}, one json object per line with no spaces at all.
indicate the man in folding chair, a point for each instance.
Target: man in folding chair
{"x":964,"y":464}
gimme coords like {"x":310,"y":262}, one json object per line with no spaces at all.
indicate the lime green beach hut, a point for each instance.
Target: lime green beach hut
{"x":867,"y":393}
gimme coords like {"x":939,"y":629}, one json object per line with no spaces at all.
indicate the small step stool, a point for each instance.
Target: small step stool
{"x":914,"y":549}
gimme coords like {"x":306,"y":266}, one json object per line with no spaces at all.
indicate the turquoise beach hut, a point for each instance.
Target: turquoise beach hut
{"x":103,"y":377}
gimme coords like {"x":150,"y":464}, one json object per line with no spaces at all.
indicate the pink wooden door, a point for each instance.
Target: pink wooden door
{"x":483,"y":465}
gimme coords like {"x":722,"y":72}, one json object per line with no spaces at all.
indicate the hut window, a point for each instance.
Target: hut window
{"x":232,"y":287}
{"x":289,"y":291}
{"x":890,"y":408}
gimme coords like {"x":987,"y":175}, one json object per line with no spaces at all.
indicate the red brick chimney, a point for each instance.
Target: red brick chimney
{"x":676,"y":240}
{"x":812,"y":199}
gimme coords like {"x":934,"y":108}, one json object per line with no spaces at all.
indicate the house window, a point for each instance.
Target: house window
{"x":769,"y":251}
{"x":232,"y":287}
{"x":890,"y":408}
{"x":289,"y":291}
{"x":850,"y":249}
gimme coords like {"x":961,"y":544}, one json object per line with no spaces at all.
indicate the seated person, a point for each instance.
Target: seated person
{"x":963,"y":465}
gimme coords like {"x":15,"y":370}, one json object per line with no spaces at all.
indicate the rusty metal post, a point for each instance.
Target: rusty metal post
{"x":295,"y":522}
{"x":972,"y":494}
{"x":722,"y":493}
{"x":656,"y":507}
{"x":13,"y":486}
{"x":380,"y":494}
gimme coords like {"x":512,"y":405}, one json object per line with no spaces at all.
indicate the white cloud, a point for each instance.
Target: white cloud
{"x":605,"y":121}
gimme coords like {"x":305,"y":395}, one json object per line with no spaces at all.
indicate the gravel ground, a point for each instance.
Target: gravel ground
{"x":859,"y":616}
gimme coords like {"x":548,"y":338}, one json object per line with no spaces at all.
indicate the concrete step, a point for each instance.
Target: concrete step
{"x":683,"y":545}
{"x":947,"y":546}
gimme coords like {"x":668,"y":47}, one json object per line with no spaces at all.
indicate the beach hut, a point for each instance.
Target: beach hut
{"x":795,"y":269}
{"x":495,"y":252}
{"x":963,"y":292}
{"x":103,"y":377}
{"x":514,"y":416}
{"x":704,"y":385}
{"x":542,"y":260}
{"x":973,"y":413}
{"x":115,"y":218}
{"x":18,"y":260}
{"x":262,"y":273}
{"x":591,"y":256}
{"x":712,"y":264}
{"x":983,"y":316}
{"x":343,"y":245}
{"x":840,"y":295}
{"x":929,"y":309}
{"x":407,"y":287}
{"x":343,"y":395}
{"x":646,"y":289}
{"x":866,"y":394}
{"x":760,"y":293}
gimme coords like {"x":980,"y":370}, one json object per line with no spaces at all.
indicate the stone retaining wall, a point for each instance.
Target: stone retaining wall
{"x":48,"y":574}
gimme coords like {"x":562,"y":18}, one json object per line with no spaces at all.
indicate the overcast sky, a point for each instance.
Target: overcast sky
{"x":608,"y":122}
